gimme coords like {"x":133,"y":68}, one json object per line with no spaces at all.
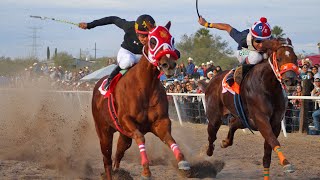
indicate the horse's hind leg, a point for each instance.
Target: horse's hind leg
{"x":213,"y":127}
{"x":162,"y":129}
{"x":234,"y":124}
{"x":124,"y":143}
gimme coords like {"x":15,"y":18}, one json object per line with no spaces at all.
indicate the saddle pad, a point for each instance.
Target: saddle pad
{"x":235,"y":88}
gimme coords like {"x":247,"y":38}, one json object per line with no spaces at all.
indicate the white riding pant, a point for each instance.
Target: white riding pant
{"x":127,"y":59}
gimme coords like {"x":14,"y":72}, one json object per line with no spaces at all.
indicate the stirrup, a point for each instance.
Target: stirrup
{"x":230,"y":81}
{"x":106,"y":87}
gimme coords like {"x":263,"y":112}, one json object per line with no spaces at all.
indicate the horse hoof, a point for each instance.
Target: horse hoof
{"x":288,"y":168}
{"x":210,"y":150}
{"x":184,"y":165}
{"x":184,"y":168}
{"x":145,"y":177}
{"x":224,"y":144}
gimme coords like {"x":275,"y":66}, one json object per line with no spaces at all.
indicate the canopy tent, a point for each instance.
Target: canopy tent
{"x":315,"y":59}
{"x":98,"y":74}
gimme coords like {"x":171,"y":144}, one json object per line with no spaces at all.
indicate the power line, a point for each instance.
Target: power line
{"x":35,"y":45}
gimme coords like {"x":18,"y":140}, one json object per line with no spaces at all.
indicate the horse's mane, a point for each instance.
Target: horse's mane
{"x":202,"y":85}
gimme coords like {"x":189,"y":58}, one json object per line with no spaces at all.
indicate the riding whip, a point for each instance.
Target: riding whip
{"x":54,"y":19}
{"x":197,"y":8}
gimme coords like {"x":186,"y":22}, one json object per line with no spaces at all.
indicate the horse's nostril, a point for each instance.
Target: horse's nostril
{"x":174,"y":64}
{"x":164,"y":65}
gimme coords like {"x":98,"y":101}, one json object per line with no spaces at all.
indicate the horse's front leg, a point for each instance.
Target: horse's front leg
{"x":266,"y":160}
{"x":124,"y":143}
{"x":270,"y":134}
{"x":131,"y":127}
{"x":162,"y":129}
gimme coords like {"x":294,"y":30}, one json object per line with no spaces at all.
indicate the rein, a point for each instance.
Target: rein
{"x":278,"y":71}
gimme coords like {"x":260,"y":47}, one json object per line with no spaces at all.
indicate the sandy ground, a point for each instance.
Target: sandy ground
{"x":52,"y":136}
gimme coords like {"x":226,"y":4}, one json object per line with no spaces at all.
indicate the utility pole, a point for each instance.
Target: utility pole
{"x":34,"y":45}
{"x":95,"y":51}
{"x":80,"y":54}
{"x":319,"y":47}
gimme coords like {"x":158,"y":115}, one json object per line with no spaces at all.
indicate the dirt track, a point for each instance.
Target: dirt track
{"x":45,"y":136}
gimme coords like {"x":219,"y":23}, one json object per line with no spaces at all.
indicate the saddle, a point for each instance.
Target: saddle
{"x":238,"y":75}
{"x":112,"y":85}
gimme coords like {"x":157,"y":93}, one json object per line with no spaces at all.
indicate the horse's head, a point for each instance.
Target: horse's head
{"x":160,"y":49}
{"x":284,"y":60}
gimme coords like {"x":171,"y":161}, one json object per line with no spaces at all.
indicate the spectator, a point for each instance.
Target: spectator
{"x":210,"y":67}
{"x":316,"y":114}
{"x":314,"y":70}
{"x":303,"y":72}
{"x":182,"y":70}
{"x":209,"y":76}
{"x":215,"y":73}
{"x":200,"y":71}
{"x":190,"y":67}
{"x":297,"y":102}
{"x":183,"y":86}
{"x":204,"y":67}
{"x":218,"y":68}
{"x":178,"y":89}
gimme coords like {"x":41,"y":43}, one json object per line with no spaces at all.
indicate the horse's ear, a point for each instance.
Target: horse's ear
{"x":272,"y":44}
{"x":168,"y":25}
{"x":289,"y":41}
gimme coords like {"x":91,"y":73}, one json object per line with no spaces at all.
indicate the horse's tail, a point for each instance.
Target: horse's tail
{"x":202,"y":84}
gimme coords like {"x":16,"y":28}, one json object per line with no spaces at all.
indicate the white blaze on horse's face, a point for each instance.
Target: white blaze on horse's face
{"x":287,"y":53}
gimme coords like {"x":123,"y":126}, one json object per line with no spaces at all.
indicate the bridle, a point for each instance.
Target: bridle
{"x":279,"y":71}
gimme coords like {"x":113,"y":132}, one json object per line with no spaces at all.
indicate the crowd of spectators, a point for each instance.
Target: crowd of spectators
{"x":57,"y":77}
{"x":186,"y":77}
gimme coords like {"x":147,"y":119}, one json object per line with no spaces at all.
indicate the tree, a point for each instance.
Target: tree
{"x":203,"y":46}
{"x":277,"y":32}
{"x":55,"y":52}
{"x":64,"y":60}
{"x":48,"y":53}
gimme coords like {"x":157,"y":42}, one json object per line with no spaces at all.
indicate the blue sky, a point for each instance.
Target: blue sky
{"x":299,"y":19}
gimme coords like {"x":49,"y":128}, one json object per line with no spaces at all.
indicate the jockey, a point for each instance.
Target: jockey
{"x":249,"y":41}
{"x":135,"y":37}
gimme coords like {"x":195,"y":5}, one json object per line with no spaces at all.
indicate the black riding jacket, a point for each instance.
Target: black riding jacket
{"x":130,"y":39}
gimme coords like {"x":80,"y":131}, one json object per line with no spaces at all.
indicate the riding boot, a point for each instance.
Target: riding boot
{"x":230,"y":78}
{"x":114,"y":72}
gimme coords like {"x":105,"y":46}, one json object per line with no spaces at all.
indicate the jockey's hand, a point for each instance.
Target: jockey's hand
{"x":202,"y":21}
{"x":83,"y":25}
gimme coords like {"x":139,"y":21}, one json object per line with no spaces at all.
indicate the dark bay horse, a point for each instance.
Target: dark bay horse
{"x":263,"y":99}
{"x":141,"y":104}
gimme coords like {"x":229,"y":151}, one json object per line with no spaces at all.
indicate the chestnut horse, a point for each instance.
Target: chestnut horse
{"x":141,"y":104}
{"x":263,"y":99}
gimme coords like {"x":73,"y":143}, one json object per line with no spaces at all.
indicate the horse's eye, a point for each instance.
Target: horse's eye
{"x":153,"y":43}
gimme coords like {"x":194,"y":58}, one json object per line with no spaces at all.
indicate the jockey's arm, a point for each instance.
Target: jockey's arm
{"x":106,"y":21}
{"x":220,"y":26}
